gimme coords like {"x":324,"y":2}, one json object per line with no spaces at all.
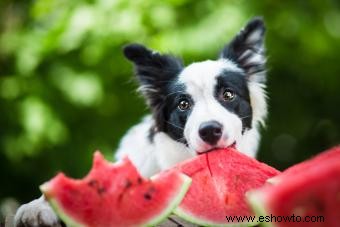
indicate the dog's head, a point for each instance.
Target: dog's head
{"x":211,"y":103}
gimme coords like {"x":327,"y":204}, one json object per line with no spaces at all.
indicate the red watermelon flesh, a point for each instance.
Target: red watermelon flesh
{"x":329,"y":155}
{"x":220,"y":180}
{"x":115,"y":195}
{"x":312,"y":193}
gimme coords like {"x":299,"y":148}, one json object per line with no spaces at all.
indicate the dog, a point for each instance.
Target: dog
{"x":205,"y":105}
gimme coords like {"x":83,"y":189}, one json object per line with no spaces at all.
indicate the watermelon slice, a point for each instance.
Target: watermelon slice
{"x":307,"y":194}
{"x":329,"y":155}
{"x":115,"y":195}
{"x":220,"y":180}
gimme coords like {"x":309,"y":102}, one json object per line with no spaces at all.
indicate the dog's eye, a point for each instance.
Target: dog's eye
{"x":183,"y":105}
{"x":228,"y":95}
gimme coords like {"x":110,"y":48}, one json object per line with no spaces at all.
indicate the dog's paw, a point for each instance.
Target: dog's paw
{"x":36,"y":213}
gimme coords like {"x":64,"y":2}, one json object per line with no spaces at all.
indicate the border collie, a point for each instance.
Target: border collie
{"x":205,"y":105}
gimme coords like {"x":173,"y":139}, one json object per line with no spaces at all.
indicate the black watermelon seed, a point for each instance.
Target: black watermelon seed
{"x":147,"y":196}
{"x":101,"y":190}
{"x":128,"y":184}
{"x":93,"y":183}
{"x":139,"y":180}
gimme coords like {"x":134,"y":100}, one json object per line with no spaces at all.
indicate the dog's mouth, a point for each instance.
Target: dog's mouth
{"x":233,"y":145}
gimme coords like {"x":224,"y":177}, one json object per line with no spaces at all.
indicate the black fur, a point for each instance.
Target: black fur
{"x":241,"y":104}
{"x":176,"y":118}
{"x":170,"y":119}
{"x":155,"y":73}
{"x":241,"y":49}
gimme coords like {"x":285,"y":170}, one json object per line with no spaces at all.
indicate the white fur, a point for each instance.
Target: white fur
{"x":258,"y":101}
{"x":137,"y":146}
{"x":255,"y":58}
{"x":249,"y":142}
{"x":255,"y":36}
{"x":151,"y":158}
{"x":251,"y":138}
{"x":170,"y":152}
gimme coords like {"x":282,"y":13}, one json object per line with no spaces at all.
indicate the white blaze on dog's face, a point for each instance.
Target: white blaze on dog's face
{"x":208,"y":104}
{"x":211,"y":123}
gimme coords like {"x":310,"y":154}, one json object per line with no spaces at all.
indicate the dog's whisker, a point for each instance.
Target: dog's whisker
{"x":172,"y":93}
{"x":245,"y":117}
{"x":180,"y":139}
{"x":174,"y":125}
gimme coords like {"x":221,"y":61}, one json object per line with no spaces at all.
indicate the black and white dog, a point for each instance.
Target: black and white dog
{"x":205,"y":105}
{"x":208,"y":104}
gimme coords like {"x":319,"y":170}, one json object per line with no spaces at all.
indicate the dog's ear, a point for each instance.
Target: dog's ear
{"x":247,"y":50}
{"x":153,"y":71}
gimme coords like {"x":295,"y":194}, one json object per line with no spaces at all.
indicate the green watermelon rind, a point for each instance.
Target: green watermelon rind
{"x":175,"y":202}
{"x":202,"y":222}
{"x":158,"y":219}
{"x":57,"y":208}
{"x":256,"y":202}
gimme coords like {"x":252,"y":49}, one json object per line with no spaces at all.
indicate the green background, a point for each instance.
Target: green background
{"x":66,"y":89}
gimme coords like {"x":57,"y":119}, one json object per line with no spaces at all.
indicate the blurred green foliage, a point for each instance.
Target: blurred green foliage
{"x":66,"y":90}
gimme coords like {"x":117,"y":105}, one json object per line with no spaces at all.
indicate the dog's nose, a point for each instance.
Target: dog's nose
{"x":210,"y":132}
